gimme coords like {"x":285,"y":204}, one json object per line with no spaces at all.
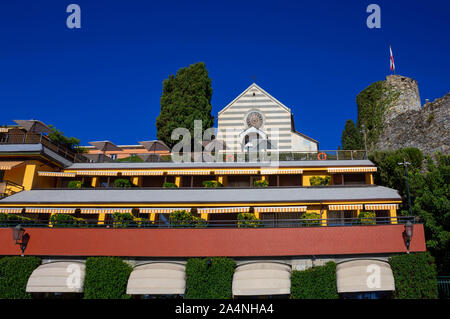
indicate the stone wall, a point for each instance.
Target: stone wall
{"x":408,"y":99}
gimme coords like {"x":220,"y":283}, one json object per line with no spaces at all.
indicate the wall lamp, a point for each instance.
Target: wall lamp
{"x":407,"y":234}
{"x":20,"y":237}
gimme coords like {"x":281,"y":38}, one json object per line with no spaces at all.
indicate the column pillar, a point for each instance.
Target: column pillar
{"x":393,"y":215}
{"x":101,"y":219}
{"x":222,"y":180}
{"x":204,"y":216}
{"x":369,"y":178}
{"x":95,"y":181}
{"x":152,"y":217}
{"x":28,"y":177}
{"x":137,"y":181}
{"x":50,"y":220}
{"x":324,"y":216}
{"x":178,"y":181}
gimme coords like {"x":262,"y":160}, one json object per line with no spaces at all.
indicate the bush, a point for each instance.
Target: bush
{"x":11,"y":220}
{"x":366,"y":218}
{"x":212,"y":184}
{"x":123,"y":220}
{"x":78,"y":184}
{"x":415,"y":276}
{"x":248,"y":220}
{"x":182,"y":218}
{"x":122,"y":183}
{"x":209,"y":282}
{"x":261,"y":183}
{"x":315,"y":283}
{"x":106,"y":278}
{"x":64,"y":220}
{"x":169,"y":185}
{"x":304,"y":219}
{"x":14,"y":274}
{"x":319,"y":181}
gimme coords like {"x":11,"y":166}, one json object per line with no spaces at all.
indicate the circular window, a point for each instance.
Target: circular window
{"x":254,"y":119}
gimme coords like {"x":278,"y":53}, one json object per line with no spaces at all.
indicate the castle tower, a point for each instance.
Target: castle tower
{"x":409,"y":98}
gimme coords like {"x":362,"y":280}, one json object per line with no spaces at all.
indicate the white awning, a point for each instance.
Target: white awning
{"x":236,"y":171}
{"x":261,"y":279}
{"x":49,"y":210}
{"x":10,"y":210}
{"x":223,"y":210}
{"x":56,"y":174}
{"x":105,"y":210}
{"x":142,"y":173}
{"x":61,"y":276}
{"x":157,"y":279}
{"x":351,"y":169}
{"x":189,"y":172}
{"x":381,"y":206}
{"x":275,"y":209}
{"x":270,"y":171}
{"x":8,"y":165}
{"x":157,"y":210}
{"x":99,"y":173}
{"x":364,"y":275}
{"x":345,"y":207}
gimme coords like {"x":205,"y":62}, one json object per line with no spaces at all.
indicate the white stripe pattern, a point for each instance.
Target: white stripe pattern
{"x":236,"y":171}
{"x":345,"y":207}
{"x":105,"y":210}
{"x":189,"y":172}
{"x":11,"y":210}
{"x":223,"y":210}
{"x":381,"y":206}
{"x":49,"y":210}
{"x":101,"y":173}
{"x":142,"y":172}
{"x":351,"y":169}
{"x":281,"y":171}
{"x":56,"y":174}
{"x":150,"y":210}
{"x":287,"y":209}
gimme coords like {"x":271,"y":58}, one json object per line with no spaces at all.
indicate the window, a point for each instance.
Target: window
{"x":113,"y":156}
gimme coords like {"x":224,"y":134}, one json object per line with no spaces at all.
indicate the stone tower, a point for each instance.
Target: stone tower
{"x":409,"y":98}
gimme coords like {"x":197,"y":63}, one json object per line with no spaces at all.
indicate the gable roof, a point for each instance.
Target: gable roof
{"x":254,"y":85}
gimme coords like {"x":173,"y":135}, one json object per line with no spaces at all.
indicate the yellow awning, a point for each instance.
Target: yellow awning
{"x":236,"y":171}
{"x":142,"y":172}
{"x":189,"y":172}
{"x":105,"y":210}
{"x":150,"y":210}
{"x":11,"y":210}
{"x":223,"y":210}
{"x":4,"y":129}
{"x":6,"y":166}
{"x":270,"y":171}
{"x":47,"y":210}
{"x":286,"y":209}
{"x":351,"y":169}
{"x":100,"y":173}
{"x":56,"y":174}
{"x":345,"y":207}
{"x":381,"y":206}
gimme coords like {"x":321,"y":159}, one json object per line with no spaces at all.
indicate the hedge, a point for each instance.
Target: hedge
{"x":212,"y":281}
{"x":65,"y":220}
{"x":315,"y":283}
{"x":183,"y":218}
{"x":14,"y":274}
{"x":415,"y":276}
{"x":11,"y":220}
{"x":319,"y":181}
{"x":106,"y":278}
{"x":248,"y":220}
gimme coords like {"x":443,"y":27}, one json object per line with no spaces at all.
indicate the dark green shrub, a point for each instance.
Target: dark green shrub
{"x":319,"y":181}
{"x":123,"y":220}
{"x":122,"y":183}
{"x":248,"y":220}
{"x":182,"y":218}
{"x":14,"y":274}
{"x":415,"y":276}
{"x":366,"y":218}
{"x":11,"y":220}
{"x":315,"y":283}
{"x":310,"y":219}
{"x":78,"y":184}
{"x":212,"y":184}
{"x":131,"y":159}
{"x":169,"y":185}
{"x":65,"y":220}
{"x":261,"y":183}
{"x":106,"y":278}
{"x":212,"y":281}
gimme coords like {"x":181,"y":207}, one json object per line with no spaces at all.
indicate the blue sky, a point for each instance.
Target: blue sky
{"x":104,"y":81}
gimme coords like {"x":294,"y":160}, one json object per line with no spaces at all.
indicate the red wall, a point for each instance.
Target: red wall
{"x":214,"y":242}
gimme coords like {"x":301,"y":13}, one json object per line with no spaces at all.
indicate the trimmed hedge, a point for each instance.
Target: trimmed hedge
{"x":65,"y":220}
{"x":182,"y":218}
{"x":14,"y":274}
{"x":212,"y":184}
{"x":209,"y":282}
{"x":169,"y":185}
{"x":415,"y":276}
{"x":106,"y":278}
{"x":310,"y":219}
{"x":319,"y":181}
{"x":248,"y":220}
{"x":315,"y":283}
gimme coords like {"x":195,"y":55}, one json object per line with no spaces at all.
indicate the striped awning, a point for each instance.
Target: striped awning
{"x":236,"y":171}
{"x":150,"y":210}
{"x":105,"y":210}
{"x":10,"y":210}
{"x":6,"y":166}
{"x":345,"y":207}
{"x":217,"y":210}
{"x":56,"y":174}
{"x":351,"y":169}
{"x":49,"y":210}
{"x":4,"y":129}
{"x":381,"y":206}
{"x":142,"y":173}
{"x":286,"y":209}
{"x":189,"y":172}
{"x":270,"y":171}
{"x":100,"y":173}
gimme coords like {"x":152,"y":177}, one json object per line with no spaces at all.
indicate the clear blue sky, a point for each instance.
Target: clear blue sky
{"x":104,"y":81}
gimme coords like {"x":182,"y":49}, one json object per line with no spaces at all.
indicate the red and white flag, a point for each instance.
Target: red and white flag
{"x":392,"y":60}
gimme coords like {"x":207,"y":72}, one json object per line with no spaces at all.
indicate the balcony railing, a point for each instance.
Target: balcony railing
{"x":8,"y":188}
{"x":33,"y":138}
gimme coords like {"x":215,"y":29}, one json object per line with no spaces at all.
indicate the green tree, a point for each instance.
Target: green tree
{"x":352,"y":138}
{"x":186,"y":97}
{"x":58,"y":137}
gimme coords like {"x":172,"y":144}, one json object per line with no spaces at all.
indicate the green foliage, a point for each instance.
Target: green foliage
{"x":182,"y":218}
{"x":106,"y":278}
{"x":78,"y":184}
{"x":65,"y":220}
{"x":261,"y":183}
{"x":212,"y":184}
{"x":169,"y":185}
{"x":415,"y":276}
{"x":373,"y":102}
{"x":315,"y":283}
{"x":315,"y":219}
{"x":248,"y":220}
{"x":122,"y":183}
{"x":58,"y":137}
{"x":14,"y":274}
{"x":186,"y":97}
{"x":11,"y":220}
{"x":131,"y":159}
{"x":366,"y":218}
{"x":319,"y":181}
{"x":352,"y":139}
{"x":209,"y":282}
{"x":123,"y":220}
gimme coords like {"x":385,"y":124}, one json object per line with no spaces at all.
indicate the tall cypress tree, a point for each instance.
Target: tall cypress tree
{"x":186,"y":97}
{"x":351,"y":137}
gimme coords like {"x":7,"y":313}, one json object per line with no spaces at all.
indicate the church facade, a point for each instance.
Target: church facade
{"x":256,"y":121}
